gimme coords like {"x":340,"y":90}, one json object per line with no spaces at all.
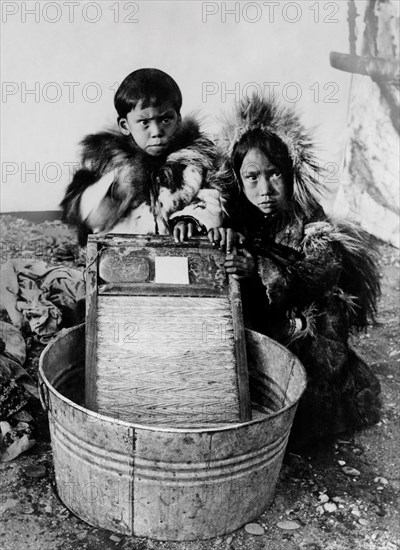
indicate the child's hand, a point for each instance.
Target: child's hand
{"x":226,"y":238}
{"x":241,"y":265}
{"x":184,"y":230}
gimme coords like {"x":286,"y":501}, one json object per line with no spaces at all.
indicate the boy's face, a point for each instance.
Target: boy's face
{"x":152,"y":127}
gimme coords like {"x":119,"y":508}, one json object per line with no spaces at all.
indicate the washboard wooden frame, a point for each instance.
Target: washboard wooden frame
{"x":120,"y":275}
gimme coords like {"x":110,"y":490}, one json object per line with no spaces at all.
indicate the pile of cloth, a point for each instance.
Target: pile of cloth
{"x":45,"y":297}
{"x":40,"y":300}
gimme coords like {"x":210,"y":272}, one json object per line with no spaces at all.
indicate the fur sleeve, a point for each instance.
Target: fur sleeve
{"x":360,"y":276}
{"x":299,"y":282}
{"x":205,"y":209}
{"x":70,"y":204}
{"x":100,"y":154}
{"x":188,"y":187}
{"x":336,"y":258}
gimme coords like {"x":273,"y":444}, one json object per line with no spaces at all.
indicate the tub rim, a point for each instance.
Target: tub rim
{"x":223,"y":427}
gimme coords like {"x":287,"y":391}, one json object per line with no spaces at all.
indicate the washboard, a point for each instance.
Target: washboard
{"x":165,"y":340}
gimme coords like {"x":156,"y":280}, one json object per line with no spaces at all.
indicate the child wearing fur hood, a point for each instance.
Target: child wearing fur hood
{"x":307,"y":280}
{"x":152,"y":175}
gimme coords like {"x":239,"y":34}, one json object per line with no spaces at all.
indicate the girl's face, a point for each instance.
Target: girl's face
{"x":263,"y":183}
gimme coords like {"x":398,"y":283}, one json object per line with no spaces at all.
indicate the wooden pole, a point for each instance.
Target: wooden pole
{"x":377,"y":68}
{"x":91,"y":325}
{"x":241,"y":356}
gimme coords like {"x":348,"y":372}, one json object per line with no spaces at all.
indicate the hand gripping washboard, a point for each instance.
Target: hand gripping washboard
{"x":165,"y":339}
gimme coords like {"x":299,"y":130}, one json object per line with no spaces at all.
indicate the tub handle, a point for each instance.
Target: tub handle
{"x":44,"y":395}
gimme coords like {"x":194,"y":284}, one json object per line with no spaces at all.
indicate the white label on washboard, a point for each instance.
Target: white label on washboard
{"x":172,"y":270}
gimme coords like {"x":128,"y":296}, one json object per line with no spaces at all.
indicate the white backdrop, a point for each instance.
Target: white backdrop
{"x":62,"y":61}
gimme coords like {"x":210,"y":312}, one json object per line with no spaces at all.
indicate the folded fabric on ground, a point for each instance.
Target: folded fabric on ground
{"x":33,"y":292}
{"x":13,"y":396}
{"x":16,"y":385}
{"x":14,"y":342}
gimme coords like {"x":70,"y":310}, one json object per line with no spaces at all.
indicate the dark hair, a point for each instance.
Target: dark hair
{"x":151,"y":87}
{"x":270,"y":145}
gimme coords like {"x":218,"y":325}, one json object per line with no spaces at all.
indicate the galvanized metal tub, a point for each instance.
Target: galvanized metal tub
{"x":166,"y":483}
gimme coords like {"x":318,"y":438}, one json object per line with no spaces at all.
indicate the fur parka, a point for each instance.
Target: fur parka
{"x":121,"y":189}
{"x":319,"y":272}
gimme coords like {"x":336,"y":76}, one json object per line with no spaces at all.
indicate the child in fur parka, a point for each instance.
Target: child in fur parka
{"x":151,"y":175}
{"x":307,"y":280}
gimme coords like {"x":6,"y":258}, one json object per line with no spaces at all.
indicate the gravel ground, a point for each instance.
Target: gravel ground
{"x":330,"y":509}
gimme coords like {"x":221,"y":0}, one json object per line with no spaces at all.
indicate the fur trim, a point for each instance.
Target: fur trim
{"x":205,"y":209}
{"x":309,"y":315}
{"x":272,"y":117}
{"x":166,"y":184}
{"x":171,"y":201}
{"x":350,"y":301}
{"x":360,"y":278}
{"x":70,"y":203}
